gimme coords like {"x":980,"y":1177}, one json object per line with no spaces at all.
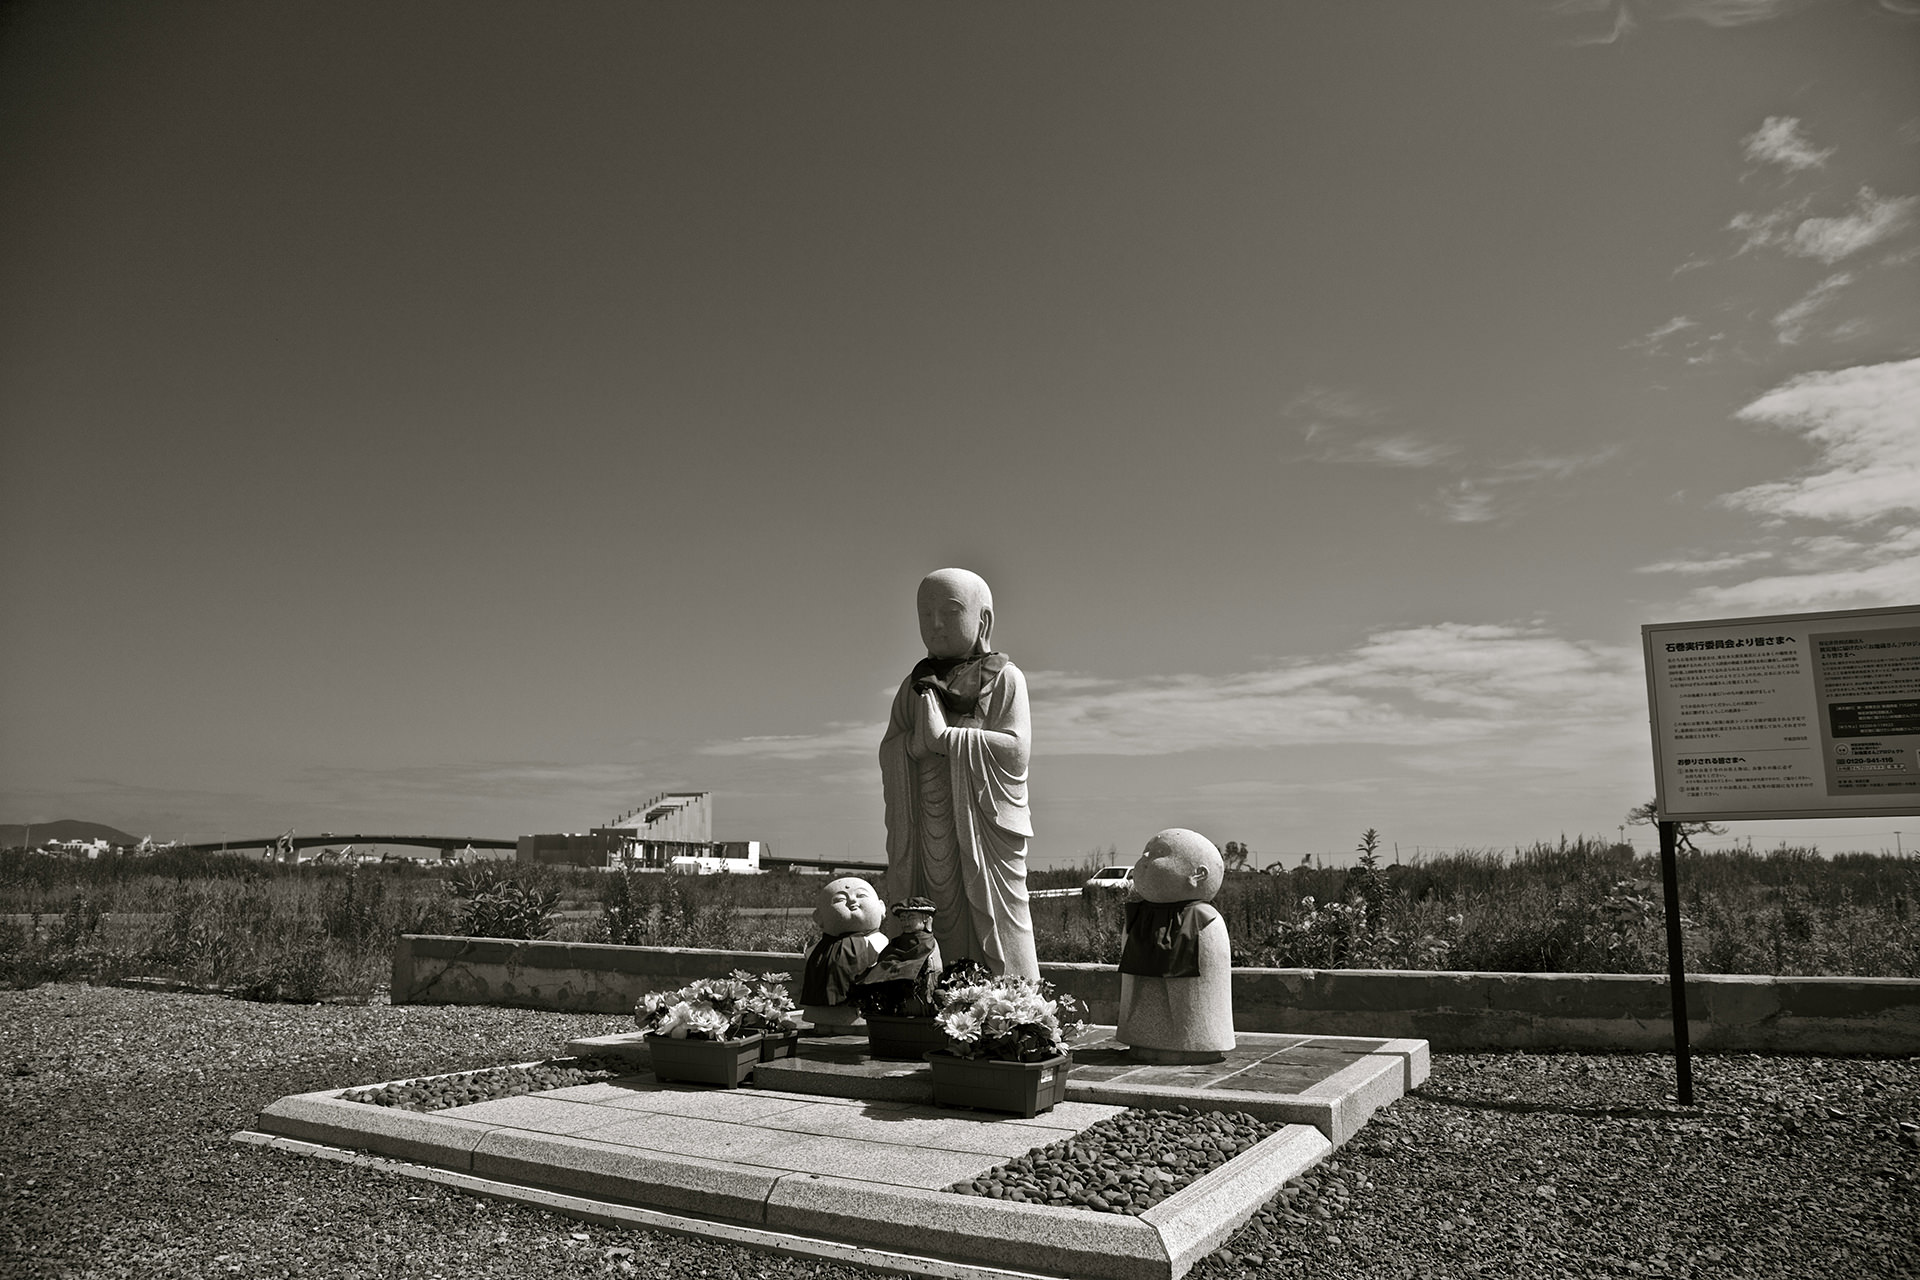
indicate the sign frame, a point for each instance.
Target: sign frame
{"x":1662,"y":716}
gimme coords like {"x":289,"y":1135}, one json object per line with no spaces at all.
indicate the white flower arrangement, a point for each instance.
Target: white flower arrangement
{"x":1009,"y":1019}
{"x":720,"y":1008}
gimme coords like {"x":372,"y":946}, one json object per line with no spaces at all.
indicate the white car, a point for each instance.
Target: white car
{"x":1120,"y":878}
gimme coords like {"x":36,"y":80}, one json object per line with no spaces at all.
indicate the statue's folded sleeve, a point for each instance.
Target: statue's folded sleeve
{"x":992,"y":759}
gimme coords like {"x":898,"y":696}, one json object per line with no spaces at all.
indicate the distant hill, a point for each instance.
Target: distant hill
{"x":14,"y":834}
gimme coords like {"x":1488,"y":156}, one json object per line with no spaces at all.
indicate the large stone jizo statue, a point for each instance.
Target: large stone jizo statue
{"x":953,"y":763}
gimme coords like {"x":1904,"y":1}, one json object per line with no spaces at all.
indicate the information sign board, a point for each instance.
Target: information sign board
{"x":1806,"y":715}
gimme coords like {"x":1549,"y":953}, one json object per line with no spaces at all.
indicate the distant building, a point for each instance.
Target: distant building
{"x":79,"y":848}
{"x":671,"y":832}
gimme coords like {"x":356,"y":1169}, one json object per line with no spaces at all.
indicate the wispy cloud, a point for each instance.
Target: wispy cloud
{"x":1865,"y":479}
{"x":1415,"y":688}
{"x":1681,"y":336}
{"x":1732,"y":13}
{"x":1477,"y":499}
{"x":1791,"y":324}
{"x":1342,"y":427}
{"x":836,"y":739}
{"x":1345,"y":427}
{"x":1657,"y":338}
{"x":1708,"y":564}
{"x":1875,"y":218}
{"x":1400,"y":450}
{"x":1779,"y":141}
{"x":1333,"y":408}
{"x":1863,"y":422}
{"x":1714,"y":13}
{"x":1883,"y":572}
{"x":1467,"y":502}
{"x":1550,"y":466}
{"x":1623,"y":26}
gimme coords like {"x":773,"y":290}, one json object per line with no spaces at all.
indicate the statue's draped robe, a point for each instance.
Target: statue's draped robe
{"x":906,"y":972}
{"x":1163,"y":939}
{"x":834,"y":965}
{"x":958,"y":824}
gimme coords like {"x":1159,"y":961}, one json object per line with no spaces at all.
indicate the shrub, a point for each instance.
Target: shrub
{"x":661,"y":909}
{"x":493,"y":904}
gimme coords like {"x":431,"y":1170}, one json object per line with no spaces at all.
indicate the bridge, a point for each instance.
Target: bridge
{"x":446,"y":844}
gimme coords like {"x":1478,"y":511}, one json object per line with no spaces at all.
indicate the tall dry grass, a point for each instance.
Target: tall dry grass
{"x":1576,"y":905}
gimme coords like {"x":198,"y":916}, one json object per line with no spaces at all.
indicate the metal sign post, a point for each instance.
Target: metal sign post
{"x":1676,"y":963}
{"x":1796,"y":715}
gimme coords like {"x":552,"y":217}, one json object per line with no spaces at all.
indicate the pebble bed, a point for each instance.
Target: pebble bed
{"x":436,"y":1093}
{"x":116,"y":1106}
{"x":1126,"y":1164}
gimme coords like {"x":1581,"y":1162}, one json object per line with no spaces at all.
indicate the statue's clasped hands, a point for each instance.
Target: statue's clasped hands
{"x":930,"y":729}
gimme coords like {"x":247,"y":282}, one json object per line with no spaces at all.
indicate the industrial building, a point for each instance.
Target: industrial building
{"x":671,"y":832}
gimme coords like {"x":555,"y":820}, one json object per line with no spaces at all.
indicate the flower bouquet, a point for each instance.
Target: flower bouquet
{"x":712,"y":1031}
{"x":1008,"y":1046}
{"x":1008,"y":1019}
{"x":769,"y":1007}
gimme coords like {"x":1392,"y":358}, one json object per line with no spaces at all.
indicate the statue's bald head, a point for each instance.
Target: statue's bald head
{"x":965,"y":583}
{"x":1179,"y":865}
{"x":956,"y":613}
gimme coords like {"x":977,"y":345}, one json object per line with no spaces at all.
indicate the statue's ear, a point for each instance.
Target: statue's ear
{"x":986,"y":630}
{"x":1198,"y":878}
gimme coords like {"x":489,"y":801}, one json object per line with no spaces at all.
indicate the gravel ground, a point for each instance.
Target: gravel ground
{"x":1127,"y":1164}
{"x":116,"y":1106}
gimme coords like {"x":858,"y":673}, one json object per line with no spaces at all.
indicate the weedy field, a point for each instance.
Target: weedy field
{"x":273,"y":932}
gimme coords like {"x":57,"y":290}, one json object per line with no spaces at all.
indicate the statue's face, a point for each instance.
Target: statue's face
{"x":950,"y":617}
{"x":1178,"y":866}
{"x":848,"y":905}
{"x":914,"y":921}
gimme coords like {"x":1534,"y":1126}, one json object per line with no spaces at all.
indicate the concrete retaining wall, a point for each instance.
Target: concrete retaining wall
{"x":1455,"y":1012}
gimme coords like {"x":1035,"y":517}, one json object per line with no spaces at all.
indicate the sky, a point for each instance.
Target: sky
{"x":479,"y":418}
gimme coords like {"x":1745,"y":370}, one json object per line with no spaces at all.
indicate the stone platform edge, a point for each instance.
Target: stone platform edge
{"x":1453,"y":1012}
{"x":1161,"y":1244}
{"x":612,"y":1214}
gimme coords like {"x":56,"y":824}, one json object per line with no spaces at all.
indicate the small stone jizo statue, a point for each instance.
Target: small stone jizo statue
{"x":902,"y":980}
{"x":848,"y":913}
{"x":1176,"y":970}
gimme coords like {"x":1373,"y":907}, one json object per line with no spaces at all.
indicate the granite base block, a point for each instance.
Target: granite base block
{"x":328,"y":1118}
{"x":1200,"y":1218}
{"x":1068,"y":1242}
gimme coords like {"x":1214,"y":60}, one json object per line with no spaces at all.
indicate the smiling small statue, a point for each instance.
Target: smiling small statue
{"x":848,"y":913}
{"x":1176,"y":970}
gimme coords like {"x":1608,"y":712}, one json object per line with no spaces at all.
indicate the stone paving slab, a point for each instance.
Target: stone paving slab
{"x":1331,"y":1082}
{"x":814,"y":1162}
{"x":678,"y":1182}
